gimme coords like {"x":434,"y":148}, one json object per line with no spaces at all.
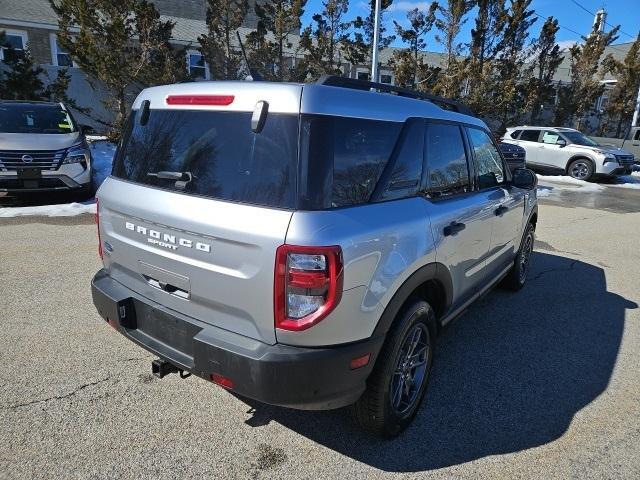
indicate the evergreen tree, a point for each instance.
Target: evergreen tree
{"x":408,"y":64}
{"x":485,"y":37}
{"x":358,"y":47}
{"x":509,"y":63}
{"x":122,"y":45}
{"x":577,"y":100}
{"x":321,"y":42}
{"x":270,"y":44}
{"x":22,"y":78}
{"x":539,"y":87}
{"x":449,"y":24}
{"x":622,"y":99}
{"x":219,"y":45}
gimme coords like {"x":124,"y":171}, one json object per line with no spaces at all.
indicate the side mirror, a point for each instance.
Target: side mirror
{"x":524,"y":178}
{"x":87,"y":130}
{"x":561,"y":142}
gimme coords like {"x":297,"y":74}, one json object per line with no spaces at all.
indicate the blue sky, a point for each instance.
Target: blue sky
{"x":571,"y":17}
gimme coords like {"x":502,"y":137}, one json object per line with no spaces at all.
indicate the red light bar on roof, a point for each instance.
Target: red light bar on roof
{"x":199,"y":99}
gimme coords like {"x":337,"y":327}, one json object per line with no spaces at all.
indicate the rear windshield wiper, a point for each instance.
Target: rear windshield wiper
{"x":182,"y":179}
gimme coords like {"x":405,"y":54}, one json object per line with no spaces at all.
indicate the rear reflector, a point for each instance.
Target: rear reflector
{"x":221,"y":380}
{"x":359,"y":361}
{"x":200,"y":99}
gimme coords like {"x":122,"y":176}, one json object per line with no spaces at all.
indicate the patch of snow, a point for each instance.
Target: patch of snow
{"x":102,"y":153}
{"x":567,"y":183}
{"x":60,"y":210}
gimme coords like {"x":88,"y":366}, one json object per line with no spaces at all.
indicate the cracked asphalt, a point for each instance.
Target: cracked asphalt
{"x":545,"y":382}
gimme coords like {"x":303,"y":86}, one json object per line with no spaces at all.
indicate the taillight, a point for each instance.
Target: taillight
{"x":97,"y":219}
{"x":220,"y":100}
{"x":308,"y":285}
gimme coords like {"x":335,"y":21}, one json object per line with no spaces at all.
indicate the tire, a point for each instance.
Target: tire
{"x":517,"y":276}
{"x":581,"y":169}
{"x":397,"y":386}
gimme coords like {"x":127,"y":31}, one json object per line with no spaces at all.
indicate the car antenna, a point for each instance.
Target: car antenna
{"x":255,"y":76}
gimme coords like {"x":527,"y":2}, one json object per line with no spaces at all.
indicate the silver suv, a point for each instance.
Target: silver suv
{"x":568,"y":151}
{"x":303,"y":245}
{"x":42,"y":149}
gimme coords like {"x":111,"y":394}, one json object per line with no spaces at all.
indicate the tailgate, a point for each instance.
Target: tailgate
{"x":211,"y":260}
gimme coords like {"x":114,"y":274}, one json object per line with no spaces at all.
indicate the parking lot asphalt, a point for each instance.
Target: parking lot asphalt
{"x":541,"y":383}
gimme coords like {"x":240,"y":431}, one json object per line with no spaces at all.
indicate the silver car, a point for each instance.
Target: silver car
{"x":303,"y":245}
{"x":42,"y":149}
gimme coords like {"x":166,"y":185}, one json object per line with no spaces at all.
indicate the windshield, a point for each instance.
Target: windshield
{"x":35,"y":118}
{"x":213,"y":154}
{"x":579,"y":139}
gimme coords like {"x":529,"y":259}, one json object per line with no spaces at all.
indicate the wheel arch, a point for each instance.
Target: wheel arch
{"x":579,"y":156}
{"x":431,"y":283}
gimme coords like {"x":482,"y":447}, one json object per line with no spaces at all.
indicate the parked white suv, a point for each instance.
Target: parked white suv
{"x":568,"y":151}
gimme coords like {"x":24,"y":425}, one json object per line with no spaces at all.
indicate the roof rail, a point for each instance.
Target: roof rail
{"x":442,"y":102}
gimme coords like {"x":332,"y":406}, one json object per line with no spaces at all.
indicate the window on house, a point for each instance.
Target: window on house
{"x":196,"y":66}
{"x":362,"y":75}
{"x":15,"y":44}
{"x":60,"y":56}
{"x":386,"y":78}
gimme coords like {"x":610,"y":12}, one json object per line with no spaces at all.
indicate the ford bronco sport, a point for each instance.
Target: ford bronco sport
{"x":303,"y":245}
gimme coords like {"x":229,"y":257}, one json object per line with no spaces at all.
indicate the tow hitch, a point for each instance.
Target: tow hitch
{"x":162,"y":368}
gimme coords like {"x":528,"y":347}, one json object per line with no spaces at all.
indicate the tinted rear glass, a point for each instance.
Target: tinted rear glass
{"x":217,"y":151}
{"x":34,"y":118}
{"x":345,"y":158}
{"x":530,"y":135}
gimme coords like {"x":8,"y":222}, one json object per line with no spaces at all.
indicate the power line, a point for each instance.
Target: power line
{"x":579,"y":34}
{"x":606,"y":23}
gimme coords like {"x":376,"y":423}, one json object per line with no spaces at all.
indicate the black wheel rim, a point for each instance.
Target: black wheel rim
{"x":410,"y":370}
{"x":525,"y":257}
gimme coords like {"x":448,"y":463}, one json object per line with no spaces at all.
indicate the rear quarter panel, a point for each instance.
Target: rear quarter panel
{"x":382,"y":243}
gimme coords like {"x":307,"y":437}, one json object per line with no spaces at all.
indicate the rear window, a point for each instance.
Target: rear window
{"x":35,"y":118}
{"x":216,"y":154}
{"x":530,"y":135}
{"x":344,"y":159}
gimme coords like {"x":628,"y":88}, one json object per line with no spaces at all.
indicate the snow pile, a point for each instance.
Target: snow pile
{"x":61,"y":210}
{"x":558,"y":183}
{"x":102,"y":153}
{"x":628,"y":181}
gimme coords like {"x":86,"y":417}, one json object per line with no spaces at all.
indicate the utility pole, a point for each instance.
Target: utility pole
{"x":636,"y":112}
{"x":376,"y":40}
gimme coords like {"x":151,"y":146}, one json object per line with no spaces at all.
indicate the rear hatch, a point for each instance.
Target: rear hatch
{"x":198,"y":203}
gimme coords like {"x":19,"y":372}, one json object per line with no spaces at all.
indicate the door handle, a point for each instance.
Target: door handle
{"x":453,"y":228}
{"x":500,"y":210}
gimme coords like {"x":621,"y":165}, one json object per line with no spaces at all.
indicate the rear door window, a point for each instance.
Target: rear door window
{"x":216,"y":153}
{"x":446,"y":161}
{"x":530,"y":135}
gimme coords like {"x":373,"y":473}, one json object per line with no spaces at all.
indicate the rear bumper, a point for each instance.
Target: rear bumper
{"x":302,"y":378}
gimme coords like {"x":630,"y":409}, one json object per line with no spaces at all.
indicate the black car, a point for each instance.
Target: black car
{"x":513,"y":154}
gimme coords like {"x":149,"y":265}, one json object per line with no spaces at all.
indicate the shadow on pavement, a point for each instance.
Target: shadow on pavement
{"x":509,"y":375}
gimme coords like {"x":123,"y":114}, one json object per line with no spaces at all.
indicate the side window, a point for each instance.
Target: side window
{"x":488,"y":160}
{"x":447,"y":168}
{"x":515,"y":133}
{"x":550,"y":137}
{"x":637,"y":136}
{"x":530,"y":135}
{"x":404,"y":180}
{"x":361,"y":149}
